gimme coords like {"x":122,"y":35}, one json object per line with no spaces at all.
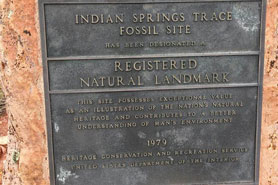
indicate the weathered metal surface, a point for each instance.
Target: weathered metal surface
{"x":239,"y":34}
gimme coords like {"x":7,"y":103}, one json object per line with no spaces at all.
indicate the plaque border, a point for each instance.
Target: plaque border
{"x":47,"y":92}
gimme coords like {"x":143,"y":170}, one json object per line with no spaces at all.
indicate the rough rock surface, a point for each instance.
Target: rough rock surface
{"x":269,"y":139}
{"x":21,"y":77}
{"x":3,"y":141}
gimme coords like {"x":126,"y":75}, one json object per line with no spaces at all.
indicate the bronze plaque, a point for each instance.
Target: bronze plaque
{"x":153,"y":92}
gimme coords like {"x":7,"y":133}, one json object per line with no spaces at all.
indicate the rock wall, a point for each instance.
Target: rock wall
{"x":21,"y":77}
{"x":269,"y":139}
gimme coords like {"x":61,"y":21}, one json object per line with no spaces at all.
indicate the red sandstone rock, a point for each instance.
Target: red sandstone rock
{"x":21,"y":77}
{"x":3,"y":141}
{"x":269,"y":139}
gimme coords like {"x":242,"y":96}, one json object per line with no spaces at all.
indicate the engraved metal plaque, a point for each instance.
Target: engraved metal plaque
{"x":153,"y":92}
